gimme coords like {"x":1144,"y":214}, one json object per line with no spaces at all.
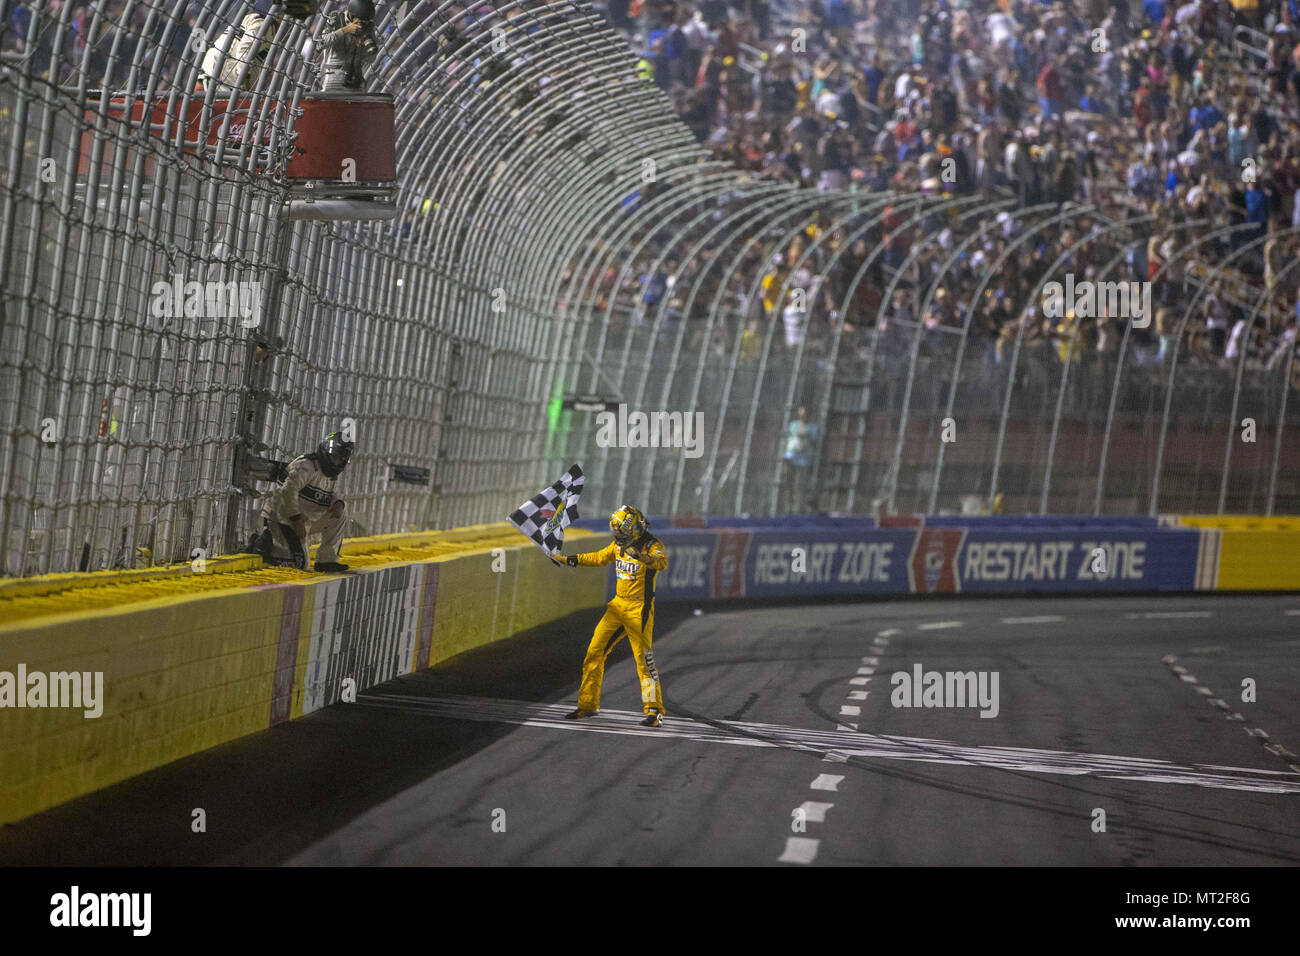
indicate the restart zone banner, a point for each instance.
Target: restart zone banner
{"x":1155,"y":560}
{"x":794,"y":561}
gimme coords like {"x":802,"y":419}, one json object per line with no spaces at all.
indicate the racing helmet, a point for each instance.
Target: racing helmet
{"x":332,"y":454}
{"x":628,"y":525}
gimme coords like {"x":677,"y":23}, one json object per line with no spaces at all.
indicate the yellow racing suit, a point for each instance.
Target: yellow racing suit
{"x":630,"y":613}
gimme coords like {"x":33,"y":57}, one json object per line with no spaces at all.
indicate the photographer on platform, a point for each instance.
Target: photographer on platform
{"x":348,"y":46}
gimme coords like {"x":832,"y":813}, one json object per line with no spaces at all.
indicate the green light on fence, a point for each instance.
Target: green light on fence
{"x":553,"y":414}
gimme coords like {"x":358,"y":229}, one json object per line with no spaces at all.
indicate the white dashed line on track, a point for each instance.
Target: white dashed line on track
{"x":849,"y":710}
{"x":938,"y":625}
{"x":799,"y":850}
{"x":859,"y":681}
{"x":1165,"y":615}
{"x":858,"y":694}
{"x":825,"y":781}
{"x":1041,"y":619}
{"x":1258,"y":733}
{"x":814,"y":812}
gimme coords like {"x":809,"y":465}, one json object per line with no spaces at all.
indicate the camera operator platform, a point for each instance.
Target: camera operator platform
{"x":344,"y":163}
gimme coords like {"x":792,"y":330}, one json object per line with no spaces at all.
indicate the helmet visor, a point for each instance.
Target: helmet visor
{"x":337,"y":453}
{"x":625,"y":531}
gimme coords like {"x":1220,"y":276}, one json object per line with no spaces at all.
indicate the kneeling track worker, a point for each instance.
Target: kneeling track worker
{"x":304,"y":503}
{"x":638,"y":556}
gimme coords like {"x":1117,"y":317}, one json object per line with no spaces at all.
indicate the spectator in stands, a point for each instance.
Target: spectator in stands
{"x":1156,"y":120}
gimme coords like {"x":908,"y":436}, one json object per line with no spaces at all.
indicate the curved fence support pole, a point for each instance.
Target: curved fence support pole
{"x":1281,"y":426}
{"x":1264,"y":298}
{"x":1065,"y":375}
{"x":1020,"y":332}
{"x":805,"y":209}
{"x":1173,"y":366}
{"x":774,"y":208}
{"x":903,"y":204}
{"x":875,"y":202}
{"x":834,"y":201}
{"x":896,"y":463}
{"x":967,"y":318}
{"x":1119,"y":372}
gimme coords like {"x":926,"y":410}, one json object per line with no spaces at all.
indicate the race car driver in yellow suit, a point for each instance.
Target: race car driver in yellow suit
{"x":638,"y":556}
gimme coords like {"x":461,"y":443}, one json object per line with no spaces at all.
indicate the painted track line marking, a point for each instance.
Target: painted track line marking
{"x":825,"y":781}
{"x":814,"y":812}
{"x":850,"y":710}
{"x":858,"y":694}
{"x":859,"y":681}
{"x":1041,"y":619}
{"x":937,"y":625}
{"x":1259,"y":734}
{"x":854,"y":744}
{"x":799,"y":850}
{"x":1166,"y":615}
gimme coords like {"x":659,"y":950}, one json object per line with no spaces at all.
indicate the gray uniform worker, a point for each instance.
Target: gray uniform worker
{"x":347,"y":52}
{"x":241,"y":49}
{"x":305,"y":504}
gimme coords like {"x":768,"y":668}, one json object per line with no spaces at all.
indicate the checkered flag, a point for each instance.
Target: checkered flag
{"x":545,"y":515}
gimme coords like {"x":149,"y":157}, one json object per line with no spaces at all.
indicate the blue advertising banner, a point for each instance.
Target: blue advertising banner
{"x":796,"y":560}
{"x":690,"y":565}
{"x":824,"y":561}
{"x":1093,"y":560}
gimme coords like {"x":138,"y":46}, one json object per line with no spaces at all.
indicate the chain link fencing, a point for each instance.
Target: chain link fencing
{"x":556,"y":231}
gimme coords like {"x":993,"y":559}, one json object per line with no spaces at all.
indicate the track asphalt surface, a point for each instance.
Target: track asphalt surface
{"x":782,"y":748}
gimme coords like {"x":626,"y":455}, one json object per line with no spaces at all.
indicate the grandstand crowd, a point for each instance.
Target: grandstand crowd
{"x":1177,"y":117}
{"x":1176,"y":123}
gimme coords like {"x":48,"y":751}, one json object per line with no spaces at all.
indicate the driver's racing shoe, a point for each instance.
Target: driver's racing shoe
{"x":653,"y":720}
{"x":579,"y":714}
